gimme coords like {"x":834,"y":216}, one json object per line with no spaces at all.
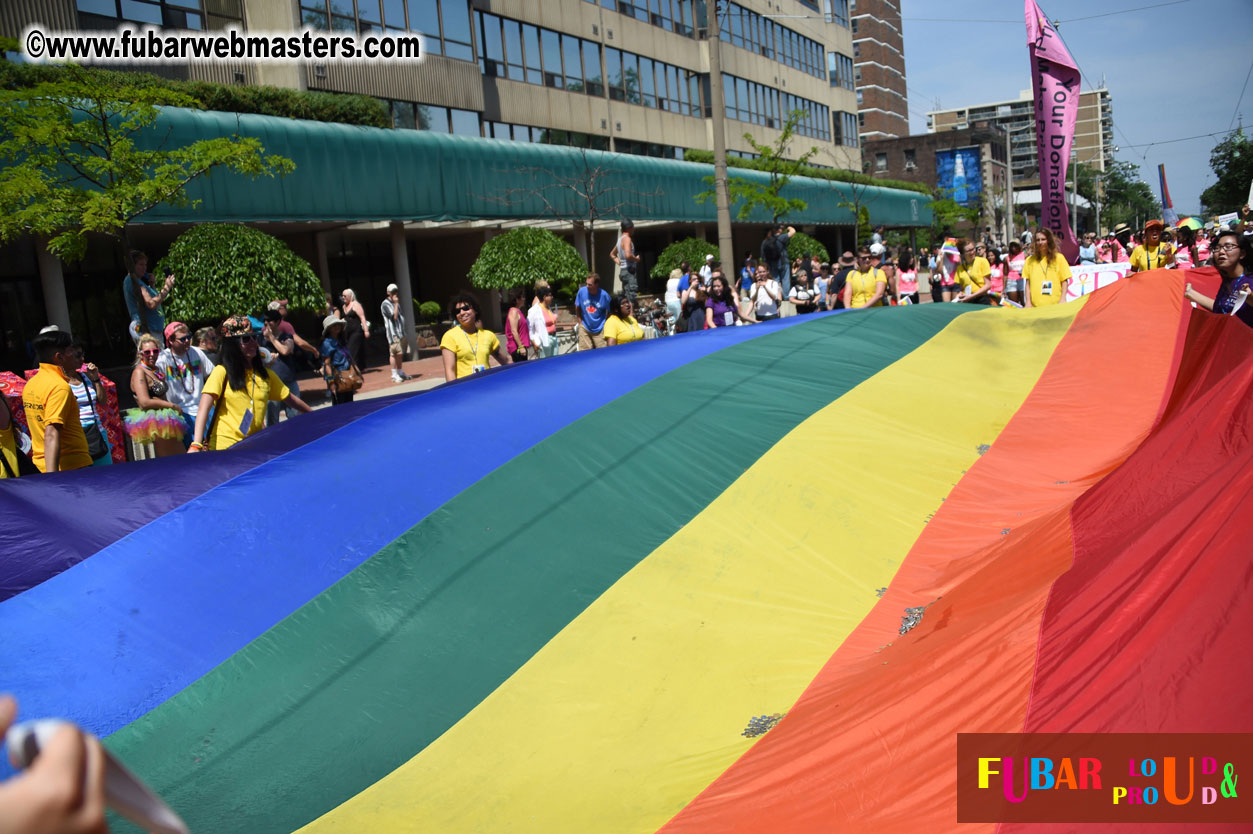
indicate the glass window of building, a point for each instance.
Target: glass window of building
{"x":880,"y":162}
{"x":530,"y":38}
{"x":463,"y":122}
{"x":433,"y":118}
{"x":574,"y":64}
{"x":550,"y":48}
{"x":172,"y":14}
{"x":404,"y":115}
{"x":513,"y":50}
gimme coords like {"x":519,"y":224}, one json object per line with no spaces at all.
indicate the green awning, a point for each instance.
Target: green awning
{"x":357,"y":174}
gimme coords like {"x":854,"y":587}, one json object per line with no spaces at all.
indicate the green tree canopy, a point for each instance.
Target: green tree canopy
{"x":225,"y":269}
{"x":1232,"y":161}
{"x":74,"y":158}
{"x":525,"y":256}
{"x":690,"y":249}
{"x":773,"y":159}
{"x":802,"y":244}
{"x":1127,"y":198}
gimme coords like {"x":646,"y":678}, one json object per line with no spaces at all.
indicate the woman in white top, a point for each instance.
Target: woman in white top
{"x":673,"y":305}
{"x":541,"y":321}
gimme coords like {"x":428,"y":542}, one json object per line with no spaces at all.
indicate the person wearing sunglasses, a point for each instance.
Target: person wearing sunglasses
{"x":187,"y":369}
{"x":157,"y":423}
{"x":467,"y":347}
{"x":237,"y":391}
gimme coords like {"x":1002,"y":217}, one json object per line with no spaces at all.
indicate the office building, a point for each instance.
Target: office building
{"x":1094,"y":129}
{"x":879,"y":68}
{"x":626,"y":77}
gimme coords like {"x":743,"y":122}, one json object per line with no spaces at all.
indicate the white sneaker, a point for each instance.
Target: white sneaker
{"x":397,"y":378}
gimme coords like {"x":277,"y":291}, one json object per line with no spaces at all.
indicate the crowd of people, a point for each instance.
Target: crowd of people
{"x":210,"y":389}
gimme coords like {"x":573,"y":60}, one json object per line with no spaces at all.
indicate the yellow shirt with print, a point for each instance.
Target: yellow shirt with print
{"x":230,"y":412}
{"x":623,"y":330}
{"x":8,"y":449}
{"x":1045,"y":279}
{"x":470,"y":349}
{"x":49,"y":401}
{"x":973,"y":277}
{"x":1142,"y":260}
{"x":862,"y":286}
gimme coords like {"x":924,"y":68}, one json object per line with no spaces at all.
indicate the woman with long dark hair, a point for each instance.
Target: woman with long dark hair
{"x":237,"y":391}
{"x":1232,"y":257}
{"x":720,"y":308}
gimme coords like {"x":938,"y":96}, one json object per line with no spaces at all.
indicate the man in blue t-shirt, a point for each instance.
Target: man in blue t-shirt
{"x":593,"y":304}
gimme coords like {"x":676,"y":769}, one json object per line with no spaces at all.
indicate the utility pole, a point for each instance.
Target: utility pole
{"x":722,"y":199}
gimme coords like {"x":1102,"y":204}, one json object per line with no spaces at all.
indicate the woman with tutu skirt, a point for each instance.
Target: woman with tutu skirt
{"x":157,"y":422}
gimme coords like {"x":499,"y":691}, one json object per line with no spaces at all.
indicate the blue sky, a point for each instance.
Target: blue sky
{"x":1173,"y":71}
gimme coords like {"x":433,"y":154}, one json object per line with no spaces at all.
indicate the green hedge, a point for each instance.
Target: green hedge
{"x":690,"y":249}
{"x":835,"y":174}
{"x":264,"y":101}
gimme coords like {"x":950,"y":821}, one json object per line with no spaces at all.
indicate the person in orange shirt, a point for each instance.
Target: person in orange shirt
{"x":57,"y":438}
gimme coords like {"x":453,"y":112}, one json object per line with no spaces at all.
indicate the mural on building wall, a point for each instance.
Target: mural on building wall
{"x":958,"y":172}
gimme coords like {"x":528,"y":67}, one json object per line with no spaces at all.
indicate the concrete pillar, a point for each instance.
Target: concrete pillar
{"x":56,"y":305}
{"x":491,"y":317}
{"x":400,"y":277}
{"x":323,"y":264}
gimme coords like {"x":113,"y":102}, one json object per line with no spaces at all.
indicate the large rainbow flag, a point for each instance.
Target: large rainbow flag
{"x":754,"y":579}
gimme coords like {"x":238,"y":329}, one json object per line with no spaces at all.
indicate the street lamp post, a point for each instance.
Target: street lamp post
{"x":1009,"y":180}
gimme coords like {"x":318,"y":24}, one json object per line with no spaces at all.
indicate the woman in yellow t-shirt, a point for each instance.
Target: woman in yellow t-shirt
{"x":1046,"y":272}
{"x":467,"y":347}
{"x":865,"y":285}
{"x":237,"y":391}
{"x":972,"y":275}
{"x":621,"y":326}
{"x":1153,"y":253}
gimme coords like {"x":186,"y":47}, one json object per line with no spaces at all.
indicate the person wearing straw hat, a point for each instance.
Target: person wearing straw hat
{"x":339,"y":371}
{"x":1153,"y":253}
{"x":237,"y":391}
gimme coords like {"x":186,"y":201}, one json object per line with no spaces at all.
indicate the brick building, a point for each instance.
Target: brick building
{"x":931,"y":159}
{"x":879,"y":69}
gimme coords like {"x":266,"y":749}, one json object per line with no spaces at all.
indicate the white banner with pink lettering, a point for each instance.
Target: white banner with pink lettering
{"x":1088,"y":277}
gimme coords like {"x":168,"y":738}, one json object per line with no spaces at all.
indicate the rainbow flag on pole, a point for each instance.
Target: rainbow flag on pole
{"x":754,"y":579}
{"x":1168,"y":208}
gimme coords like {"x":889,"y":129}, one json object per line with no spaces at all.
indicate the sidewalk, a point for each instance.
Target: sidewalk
{"x":427,"y":373}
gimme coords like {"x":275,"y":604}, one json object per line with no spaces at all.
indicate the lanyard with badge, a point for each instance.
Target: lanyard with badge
{"x":474,"y":351}
{"x":245,"y":423}
{"x":1046,"y":286}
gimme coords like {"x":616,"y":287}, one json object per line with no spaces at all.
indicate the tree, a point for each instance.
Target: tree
{"x":526,"y":256}
{"x":802,"y":244}
{"x":947,"y":213}
{"x":594,"y":190}
{"x":690,"y":249}
{"x":226,"y":269}
{"x":1127,"y":198}
{"x":1232,"y":162}
{"x":772,"y":159}
{"x":73,"y":159}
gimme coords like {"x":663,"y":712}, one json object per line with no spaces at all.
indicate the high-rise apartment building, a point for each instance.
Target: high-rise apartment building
{"x":1094,"y":129}
{"x":879,"y":69}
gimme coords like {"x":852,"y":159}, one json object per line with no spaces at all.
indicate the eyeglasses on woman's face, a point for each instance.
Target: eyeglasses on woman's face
{"x":462,"y":308}
{"x":150,"y":352}
{"x":1226,"y":247}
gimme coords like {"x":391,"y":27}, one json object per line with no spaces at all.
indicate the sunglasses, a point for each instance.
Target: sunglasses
{"x":243,"y":340}
{"x":461,"y":308}
{"x":150,"y":352}
{"x":183,"y":338}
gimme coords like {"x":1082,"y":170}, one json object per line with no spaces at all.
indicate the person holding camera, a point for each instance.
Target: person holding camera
{"x":766,"y":295}
{"x":143,"y":299}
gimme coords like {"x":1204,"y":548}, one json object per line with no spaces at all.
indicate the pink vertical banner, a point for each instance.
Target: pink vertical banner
{"x":1055,"y":86}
